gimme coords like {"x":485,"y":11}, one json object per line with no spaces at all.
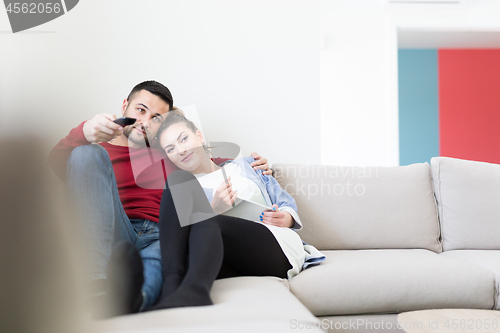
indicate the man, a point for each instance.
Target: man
{"x":110,"y":205}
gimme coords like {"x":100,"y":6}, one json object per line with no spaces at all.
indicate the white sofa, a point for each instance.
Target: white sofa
{"x":396,"y":239}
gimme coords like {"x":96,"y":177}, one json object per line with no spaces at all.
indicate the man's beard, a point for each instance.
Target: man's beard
{"x":135,"y":138}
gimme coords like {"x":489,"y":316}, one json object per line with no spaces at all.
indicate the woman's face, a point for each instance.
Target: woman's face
{"x":183,"y":147}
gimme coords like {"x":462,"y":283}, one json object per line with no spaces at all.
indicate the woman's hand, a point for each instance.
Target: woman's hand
{"x":261,"y":163}
{"x":276,"y":217}
{"x":223,"y":197}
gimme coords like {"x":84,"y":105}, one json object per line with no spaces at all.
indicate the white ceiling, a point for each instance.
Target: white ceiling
{"x":428,"y":39}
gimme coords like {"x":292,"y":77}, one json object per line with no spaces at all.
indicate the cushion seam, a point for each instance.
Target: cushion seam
{"x":440,"y":210}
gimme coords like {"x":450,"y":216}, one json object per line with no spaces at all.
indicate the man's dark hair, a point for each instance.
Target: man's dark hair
{"x":155,"y":88}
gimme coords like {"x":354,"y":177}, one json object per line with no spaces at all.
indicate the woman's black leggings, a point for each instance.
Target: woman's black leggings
{"x":221,"y":246}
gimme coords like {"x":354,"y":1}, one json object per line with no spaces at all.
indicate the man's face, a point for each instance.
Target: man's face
{"x":148,"y":109}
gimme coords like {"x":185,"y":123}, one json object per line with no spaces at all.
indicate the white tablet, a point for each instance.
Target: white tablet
{"x":247,"y":210}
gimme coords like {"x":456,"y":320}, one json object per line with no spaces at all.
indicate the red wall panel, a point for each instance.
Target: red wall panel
{"x":469,"y":104}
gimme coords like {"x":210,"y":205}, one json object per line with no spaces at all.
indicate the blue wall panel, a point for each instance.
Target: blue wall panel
{"x":418,"y":105}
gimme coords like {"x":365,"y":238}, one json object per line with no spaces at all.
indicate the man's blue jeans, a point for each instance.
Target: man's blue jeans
{"x":94,"y":198}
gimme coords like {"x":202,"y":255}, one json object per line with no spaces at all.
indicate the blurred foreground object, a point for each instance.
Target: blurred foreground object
{"x":39,"y":286}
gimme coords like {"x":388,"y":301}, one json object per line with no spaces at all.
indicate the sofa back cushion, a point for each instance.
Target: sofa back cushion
{"x":348,"y":208}
{"x":468,"y":197}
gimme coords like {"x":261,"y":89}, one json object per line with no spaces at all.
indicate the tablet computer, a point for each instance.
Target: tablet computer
{"x":245,"y":209}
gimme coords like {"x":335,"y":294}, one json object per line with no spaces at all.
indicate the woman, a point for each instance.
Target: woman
{"x":198,"y":245}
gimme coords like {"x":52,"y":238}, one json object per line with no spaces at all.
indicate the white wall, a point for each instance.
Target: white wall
{"x":359,"y":92}
{"x":251,"y":68}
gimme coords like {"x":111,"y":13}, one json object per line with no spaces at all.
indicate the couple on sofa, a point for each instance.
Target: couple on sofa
{"x":141,"y":257}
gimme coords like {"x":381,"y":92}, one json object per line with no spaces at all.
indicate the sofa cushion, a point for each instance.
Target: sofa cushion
{"x":391,"y":281}
{"x":240,"y":305}
{"x":485,"y":258}
{"x":468,"y":196}
{"x":344,"y":208}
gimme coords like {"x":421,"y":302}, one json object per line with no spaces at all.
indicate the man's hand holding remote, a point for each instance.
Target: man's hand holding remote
{"x":101,"y":128}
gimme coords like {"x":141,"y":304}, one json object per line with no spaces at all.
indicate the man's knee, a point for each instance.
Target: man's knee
{"x":88,"y":157}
